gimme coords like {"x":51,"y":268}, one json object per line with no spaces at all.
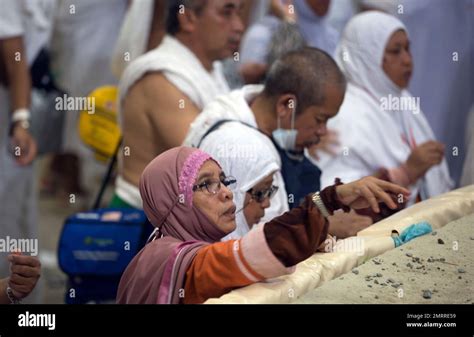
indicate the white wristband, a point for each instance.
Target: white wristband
{"x":20,"y":115}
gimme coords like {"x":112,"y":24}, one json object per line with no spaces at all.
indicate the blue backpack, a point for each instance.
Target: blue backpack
{"x":95,"y":248}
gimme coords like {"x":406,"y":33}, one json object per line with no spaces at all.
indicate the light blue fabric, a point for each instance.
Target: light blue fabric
{"x":412,"y":232}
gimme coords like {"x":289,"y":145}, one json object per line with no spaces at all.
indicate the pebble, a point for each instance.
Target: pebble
{"x":441,"y":242}
{"x":378,"y":275}
{"x":383,"y":284}
{"x":472,"y":238}
{"x":434,"y":233}
{"x":369,"y":285}
{"x":459,"y":277}
{"x":355,"y":271}
{"x":390,"y":280}
{"x":377,"y":262}
{"x":409,"y":265}
{"x":427,"y":294}
{"x":409,"y":254}
{"x":376,"y":282}
{"x":461,"y":271}
{"x":395,"y":285}
{"x":430,"y":259}
{"x":376,"y":297}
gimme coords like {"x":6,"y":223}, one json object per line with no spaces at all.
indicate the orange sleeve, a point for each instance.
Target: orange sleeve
{"x":216,"y":270}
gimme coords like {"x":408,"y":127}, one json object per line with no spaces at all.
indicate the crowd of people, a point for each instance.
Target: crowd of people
{"x":251,"y":130}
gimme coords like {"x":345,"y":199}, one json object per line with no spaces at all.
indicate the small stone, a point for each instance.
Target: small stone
{"x":409,"y":265}
{"x":409,"y":254}
{"x":459,"y":277}
{"x":369,"y":285}
{"x":377,"y":262}
{"x":376,"y":282}
{"x":434,"y":233}
{"x":442,"y":259}
{"x":430,"y":259}
{"x":383,"y":284}
{"x":383,"y":268}
{"x":435,"y":291}
{"x":378,"y":275}
{"x":427,"y":294}
{"x":461,"y":271}
{"x":394,"y":264}
{"x":395,"y":285}
{"x":441,"y":242}
{"x":355,"y":271}
{"x":390,"y":280}
{"x":376,"y":297}
{"x":472,"y":238}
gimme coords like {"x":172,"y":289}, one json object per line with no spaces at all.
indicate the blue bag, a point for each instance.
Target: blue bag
{"x":95,"y":248}
{"x":101,"y":242}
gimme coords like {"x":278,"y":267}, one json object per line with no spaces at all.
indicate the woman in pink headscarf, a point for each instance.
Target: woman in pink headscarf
{"x":186,"y":197}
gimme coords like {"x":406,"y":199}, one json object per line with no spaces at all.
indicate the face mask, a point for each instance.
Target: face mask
{"x":286,"y":139}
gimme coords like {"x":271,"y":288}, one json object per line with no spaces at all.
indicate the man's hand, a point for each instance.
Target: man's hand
{"x":368,"y":192}
{"x":327,"y":144}
{"x":423,"y":157}
{"x":25,"y":272}
{"x":24,"y":146}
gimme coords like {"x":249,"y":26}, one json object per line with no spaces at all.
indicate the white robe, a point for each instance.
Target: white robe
{"x":184,"y":70}
{"x":372,"y":138}
{"x":243,"y":152}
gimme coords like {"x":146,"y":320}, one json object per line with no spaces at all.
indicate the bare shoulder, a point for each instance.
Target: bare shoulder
{"x":156,"y":87}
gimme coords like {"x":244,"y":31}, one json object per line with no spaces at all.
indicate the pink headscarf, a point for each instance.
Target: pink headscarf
{"x":157,"y":272}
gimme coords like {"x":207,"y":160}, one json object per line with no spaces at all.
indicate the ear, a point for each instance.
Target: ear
{"x":187,"y":20}
{"x":285,"y":105}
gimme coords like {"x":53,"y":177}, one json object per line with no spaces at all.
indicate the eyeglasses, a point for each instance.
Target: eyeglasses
{"x":260,"y":196}
{"x":213,"y":186}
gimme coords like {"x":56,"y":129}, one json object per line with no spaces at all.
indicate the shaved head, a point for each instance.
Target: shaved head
{"x":305,"y":73}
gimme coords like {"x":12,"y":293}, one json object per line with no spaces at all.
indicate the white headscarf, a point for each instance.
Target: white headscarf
{"x":240,"y":155}
{"x":316,"y":30}
{"x":374,"y":137}
{"x":242,"y":151}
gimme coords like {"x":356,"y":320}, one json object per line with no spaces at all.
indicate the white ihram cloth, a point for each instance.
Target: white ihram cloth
{"x":370,"y":137}
{"x":184,"y":70}
{"x":243,"y":152}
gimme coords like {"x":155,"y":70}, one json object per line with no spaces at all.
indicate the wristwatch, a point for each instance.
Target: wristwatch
{"x":320,"y":204}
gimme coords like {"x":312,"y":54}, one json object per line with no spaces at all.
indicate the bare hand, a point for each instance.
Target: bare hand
{"x":343,"y":225}
{"x":423,"y":157}
{"x":327,"y":143}
{"x":24,"y":146}
{"x":25,"y":272}
{"x":368,"y":192}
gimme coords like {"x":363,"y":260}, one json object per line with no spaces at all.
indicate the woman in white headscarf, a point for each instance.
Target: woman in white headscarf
{"x":252,"y":168}
{"x":382,"y":130}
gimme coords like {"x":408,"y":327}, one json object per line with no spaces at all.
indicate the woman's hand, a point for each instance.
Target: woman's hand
{"x":368,"y":192}
{"x":25,"y":272}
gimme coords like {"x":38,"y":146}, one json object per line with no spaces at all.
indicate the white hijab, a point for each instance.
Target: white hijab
{"x":372,"y":136}
{"x":316,"y":30}
{"x":242,"y":151}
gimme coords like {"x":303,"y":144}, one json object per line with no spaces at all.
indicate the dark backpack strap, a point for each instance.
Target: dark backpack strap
{"x":107,"y":176}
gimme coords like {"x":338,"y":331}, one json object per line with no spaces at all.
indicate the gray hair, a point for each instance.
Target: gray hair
{"x":304,"y":73}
